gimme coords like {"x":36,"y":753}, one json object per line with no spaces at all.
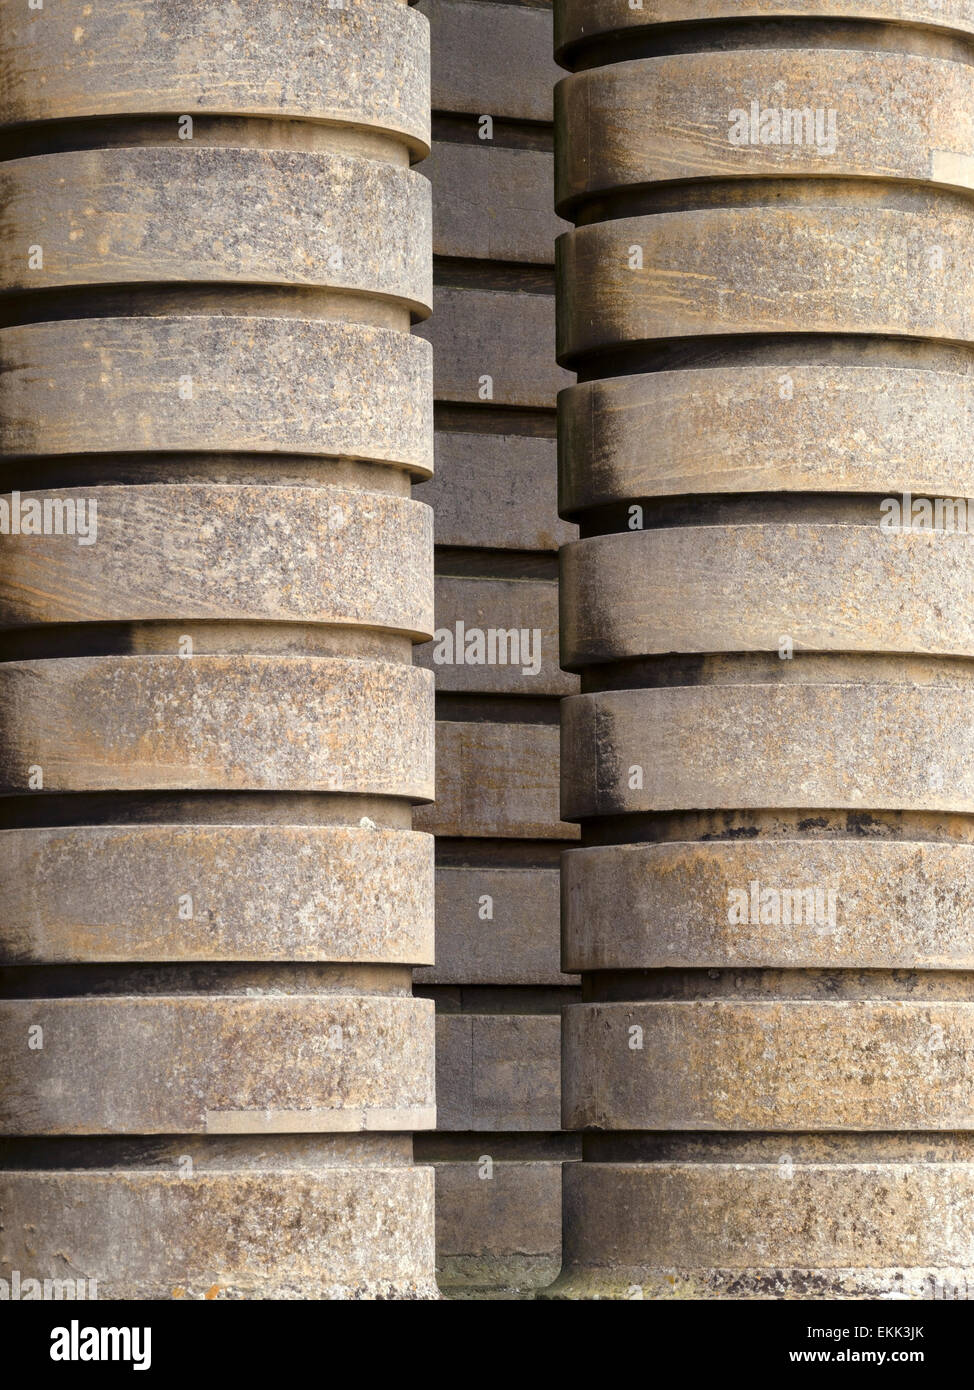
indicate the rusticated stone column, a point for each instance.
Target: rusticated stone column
{"x":769,"y":299}
{"x":212,"y":731}
{"x":497,"y":982}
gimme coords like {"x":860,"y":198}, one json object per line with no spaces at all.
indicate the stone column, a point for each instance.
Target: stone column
{"x":212,"y":731}
{"x":497,"y":981}
{"x":769,"y":299}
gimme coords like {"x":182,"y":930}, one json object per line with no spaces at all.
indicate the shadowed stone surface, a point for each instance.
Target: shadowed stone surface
{"x":500,"y":334}
{"x":496,"y":780}
{"x":493,"y":204}
{"x":512,"y":665}
{"x":518,"y":945}
{"x":497,"y":982}
{"x":579,"y":20}
{"x":506,"y":1227}
{"x":492,"y":60}
{"x":498,"y":1072}
{"x":495,"y":492}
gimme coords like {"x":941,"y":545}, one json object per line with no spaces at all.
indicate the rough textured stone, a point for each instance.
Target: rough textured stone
{"x":738,"y":588}
{"x":729,"y":746}
{"x":926,"y":133}
{"x":365,"y":64}
{"x":260,"y":385}
{"x":218,"y":216}
{"x":262,"y":1233}
{"x":723,"y":1064}
{"x":261,"y":892}
{"x":853,"y":428}
{"x":323,"y":555}
{"x":213,"y":731}
{"x":769,"y":753}
{"x":800,"y":1230}
{"x":808,"y":269}
{"x":210,"y":722}
{"x":903,"y":905}
{"x":211,"y":1065}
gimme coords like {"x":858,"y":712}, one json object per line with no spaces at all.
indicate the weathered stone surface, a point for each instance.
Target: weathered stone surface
{"x":496,"y":780}
{"x":495,"y":926}
{"x":491,"y":60}
{"x":211,"y":1064}
{"x":498,"y":1071}
{"x":364,"y":64}
{"x":217,"y":216}
{"x":494,"y":345}
{"x":263,"y":385}
{"x":815,"y":1230}
{"x":215,"y":248}
{"x":847,"y":428}
{"x":322,"y":724}
{"x":325,"y":555}
{"x":896,"y":116}
{"x":491,"y":203}
{"x":522,"y":656}
{"x":576,"y":20}
{"x":495,"y":491}
{"x":258,"y":892}
{"x":502,"y":1228}
{"x":769,"y":906}
{"x":739,"y":588}
{"x":902,"y":905}
{"x":496,"y":525}
{"x":895,"y":746}
{"x":333,"y":1232}
{"x":766,"y":270}
{"x":770,"y":1065}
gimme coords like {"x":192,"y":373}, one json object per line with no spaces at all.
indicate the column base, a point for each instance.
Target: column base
{"x":797,"y":1229}
{"x":356,"y":1232}
{"x":807,"y":1285}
